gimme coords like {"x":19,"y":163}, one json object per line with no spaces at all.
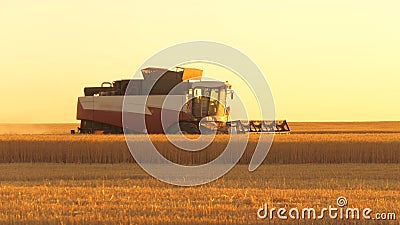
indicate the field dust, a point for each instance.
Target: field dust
{"x":37,"y":128}
{"x":296,"y":127}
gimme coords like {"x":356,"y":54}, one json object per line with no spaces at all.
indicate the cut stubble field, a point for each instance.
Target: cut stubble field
{"x":124,"y":194}
{"x":78,"y":179}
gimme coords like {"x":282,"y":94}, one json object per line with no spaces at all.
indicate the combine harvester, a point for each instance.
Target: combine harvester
{"x":101,"y":109}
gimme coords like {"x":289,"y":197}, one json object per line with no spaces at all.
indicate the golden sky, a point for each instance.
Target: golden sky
{"x":333,"y":60}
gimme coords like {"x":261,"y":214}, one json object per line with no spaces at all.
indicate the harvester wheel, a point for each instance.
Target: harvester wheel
{"x":185,"y":128}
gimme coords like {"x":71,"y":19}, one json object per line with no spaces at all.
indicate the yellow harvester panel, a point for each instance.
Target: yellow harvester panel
{"x":192,"y":74}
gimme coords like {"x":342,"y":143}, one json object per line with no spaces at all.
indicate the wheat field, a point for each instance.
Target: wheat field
{"x":286,"y":149}
{"x":51,"y":177}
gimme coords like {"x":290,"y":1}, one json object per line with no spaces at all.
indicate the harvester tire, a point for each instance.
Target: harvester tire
{"x":185,"y":128}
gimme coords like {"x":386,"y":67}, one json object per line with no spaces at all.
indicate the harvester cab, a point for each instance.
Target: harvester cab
{"x":209,"y":100}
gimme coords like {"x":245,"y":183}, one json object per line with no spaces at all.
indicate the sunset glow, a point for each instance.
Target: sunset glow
{"x":324,"y":60}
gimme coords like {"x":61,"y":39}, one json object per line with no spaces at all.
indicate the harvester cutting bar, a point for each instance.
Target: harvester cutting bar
{"x":259,"y":126}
